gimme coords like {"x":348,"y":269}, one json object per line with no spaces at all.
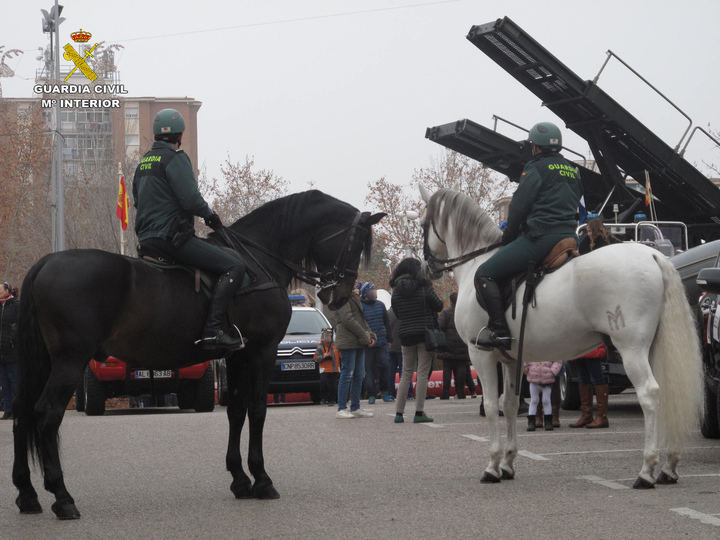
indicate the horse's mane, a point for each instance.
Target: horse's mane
{"x":285,"y":216}
{"x":472,"y":225}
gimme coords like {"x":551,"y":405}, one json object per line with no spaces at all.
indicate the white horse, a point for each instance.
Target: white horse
{"x":627,"y":292}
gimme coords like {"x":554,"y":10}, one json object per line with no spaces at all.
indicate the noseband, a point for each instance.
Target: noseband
{"x":339,"y":270}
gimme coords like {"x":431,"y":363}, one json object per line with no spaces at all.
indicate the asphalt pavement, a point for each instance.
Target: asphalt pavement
{"x":161,"y":474}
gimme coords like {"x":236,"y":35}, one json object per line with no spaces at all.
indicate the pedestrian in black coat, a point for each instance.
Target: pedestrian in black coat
{"x":456,"y":357}
{"x":8,"y":350}
{"x":416,"y":305}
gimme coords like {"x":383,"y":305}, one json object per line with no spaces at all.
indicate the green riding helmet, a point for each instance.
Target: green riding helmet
{"x":168,"y":121}
{"x":546,"y":135}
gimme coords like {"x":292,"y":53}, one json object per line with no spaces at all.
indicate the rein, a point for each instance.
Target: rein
{"x":324,"y":280}
{"x":445,"y":265}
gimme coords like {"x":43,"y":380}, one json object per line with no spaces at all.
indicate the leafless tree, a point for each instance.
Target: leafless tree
{"x":241,"y":188}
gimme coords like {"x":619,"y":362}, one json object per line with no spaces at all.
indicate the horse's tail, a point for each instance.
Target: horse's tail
{"x":677,"y":363}
{"x":34,"y":363}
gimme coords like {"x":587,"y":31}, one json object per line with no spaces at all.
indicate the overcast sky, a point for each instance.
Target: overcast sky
{"x":340,"y":92}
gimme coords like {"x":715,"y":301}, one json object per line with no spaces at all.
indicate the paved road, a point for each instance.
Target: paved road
{"x":162,"y":475}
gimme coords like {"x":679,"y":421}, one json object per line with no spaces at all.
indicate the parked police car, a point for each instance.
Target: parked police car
{"x":708,"y":312}
{"x":294,"y":370}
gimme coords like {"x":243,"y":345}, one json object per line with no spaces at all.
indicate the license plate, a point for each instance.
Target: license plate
{"x":157,"y":374}
{"x":293,"y":366}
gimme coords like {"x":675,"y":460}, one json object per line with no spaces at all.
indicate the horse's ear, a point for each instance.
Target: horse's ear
{"x":424,"y":193}
{"x":373,"y":219}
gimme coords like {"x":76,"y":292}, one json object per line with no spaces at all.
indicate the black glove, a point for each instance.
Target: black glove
{"x":506,"y":237}
{"x":213,"y":221}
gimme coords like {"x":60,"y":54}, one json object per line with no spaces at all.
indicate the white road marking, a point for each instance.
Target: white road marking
{"x":475,"y":437}
{"x":531,"y":455}
{"x":683,"y":476}
{"x":601,"y":481}
{"x":618,"y":450}
{"x":694,"y":514}
{"x":434,"y":425}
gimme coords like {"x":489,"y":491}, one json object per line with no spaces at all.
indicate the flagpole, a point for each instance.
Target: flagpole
{"x":648,"y":196}
{"x":122,"y":232}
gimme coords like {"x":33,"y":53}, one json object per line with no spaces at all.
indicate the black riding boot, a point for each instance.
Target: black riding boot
{"x":531,"y":422}
{"x":498,"y":336}
{"x":214,"y":336}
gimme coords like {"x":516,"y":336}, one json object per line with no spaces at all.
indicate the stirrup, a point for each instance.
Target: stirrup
{"x":214,"y":342}
{"x":491,"y":341}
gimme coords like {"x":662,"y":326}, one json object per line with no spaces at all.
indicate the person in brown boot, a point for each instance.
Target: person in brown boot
{"x":601,"y":395}
{"x":586,"y":394}
{"x":590,"y":373}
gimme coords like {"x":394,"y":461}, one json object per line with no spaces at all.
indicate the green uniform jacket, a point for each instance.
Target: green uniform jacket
{"x":546,"y":201}
{"x":165,"y":193}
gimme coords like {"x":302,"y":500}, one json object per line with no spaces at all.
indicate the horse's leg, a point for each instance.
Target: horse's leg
{"x":50,"y":410}
{"x":638,"y":371}
{"x":27,"y":499}
{"x":487,"y":370}
{"x":238,"y":389}
{"x":668,"y":473}
{"x":262,"y":365}
{"x":510,"y":408}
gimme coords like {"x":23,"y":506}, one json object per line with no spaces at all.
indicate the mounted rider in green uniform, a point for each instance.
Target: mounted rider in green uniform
{"x":543,"y":211}
{"x":167,"y":198}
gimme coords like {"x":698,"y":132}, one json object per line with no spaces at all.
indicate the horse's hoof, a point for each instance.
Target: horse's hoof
{"x":665,"y":478}
{"x":65,"y":510}
{"x":507,"y":474}
{"x":489,"y":478}
{"x":28,"y":506}
{"x":641,"y":483}
{"x":241,"y":490}
{"x":266,"y":491}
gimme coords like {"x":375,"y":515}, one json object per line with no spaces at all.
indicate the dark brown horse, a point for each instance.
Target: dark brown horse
{"x":83,"y":304}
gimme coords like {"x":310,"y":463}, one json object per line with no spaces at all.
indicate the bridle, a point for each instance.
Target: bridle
{"x":436,"y":264}
{"x":324,"y":280}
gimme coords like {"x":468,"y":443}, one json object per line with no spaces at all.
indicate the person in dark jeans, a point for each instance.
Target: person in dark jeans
{"x":8,"y":350}
{"x":377,"y":361}
{"x":456,"y":357}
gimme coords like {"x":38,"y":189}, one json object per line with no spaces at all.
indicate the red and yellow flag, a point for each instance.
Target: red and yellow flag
{"x":122,"y":204}
{"x":648,"y":190}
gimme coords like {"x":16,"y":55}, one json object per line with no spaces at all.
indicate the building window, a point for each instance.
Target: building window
{"x":132,"y":139}
{"x":131,"y":111}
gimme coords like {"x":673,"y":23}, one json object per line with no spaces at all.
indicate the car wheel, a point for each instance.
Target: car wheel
{"x":709,"y":427}
{"x":186,"y":394}
{"x":80,"y":396}
{"x":205,"y":391}
{"x":569,"y":393}
{"x":94,"y":394}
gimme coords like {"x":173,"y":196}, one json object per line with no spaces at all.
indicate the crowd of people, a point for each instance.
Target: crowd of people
{"x":373,"y":344}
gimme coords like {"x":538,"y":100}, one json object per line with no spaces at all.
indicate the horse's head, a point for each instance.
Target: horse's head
{"x":455,"y":230}
{"x":337,"y":252}
{"x":434,"y":246}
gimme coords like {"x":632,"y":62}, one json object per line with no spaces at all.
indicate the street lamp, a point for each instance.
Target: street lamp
{"x":51,"y":25}
{"x":405,"y":218}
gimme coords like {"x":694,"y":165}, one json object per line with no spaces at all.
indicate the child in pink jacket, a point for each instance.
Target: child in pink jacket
{"x":541,"y":376}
